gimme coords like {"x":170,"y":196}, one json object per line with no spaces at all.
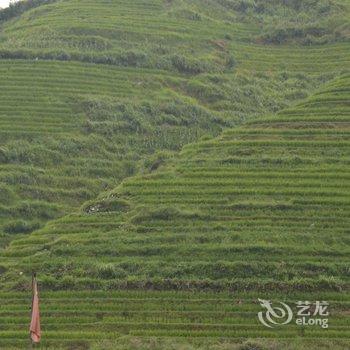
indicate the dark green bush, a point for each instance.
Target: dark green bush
{"x":283,"y":34}
{"x":38,"y":209}
{"x":206,"y":92}
{"x":188,"y":65}
{"x":21,"y":226}
{"x":133,"y":59}
{"x":159,"y":158}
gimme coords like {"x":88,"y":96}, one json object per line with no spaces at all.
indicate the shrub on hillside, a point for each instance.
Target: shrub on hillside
{"x":206,"y":92}
{"x":188,"y":114}
{"x":303,"y":34}
{"x":110,"y":271}
{"x":21,"y":226}
{"x":128,"y":58}
{"x":188,"y":65}
{"x":131,"y":58}
{"x":42,"y":210}
{"x":153,"y":162}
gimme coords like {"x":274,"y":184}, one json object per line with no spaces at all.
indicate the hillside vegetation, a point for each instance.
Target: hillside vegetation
{"x":261,"y":211}
{"x":120,"y":320}
{"x":189,"y":36}
{"x":164,"y":163}
{"x":277,"y":187}
{"x":70,"y":130}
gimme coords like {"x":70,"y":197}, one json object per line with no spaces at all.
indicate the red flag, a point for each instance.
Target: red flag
{"x":35,"y":331}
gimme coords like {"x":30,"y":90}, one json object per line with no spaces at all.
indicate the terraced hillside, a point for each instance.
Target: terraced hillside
{"x":71,"y":129}
{"x":260,"y":211}
{"x":277,"y":187}
{"x":163,"y":164}
{"x":189,"y":36}
{"x":164,"y":320}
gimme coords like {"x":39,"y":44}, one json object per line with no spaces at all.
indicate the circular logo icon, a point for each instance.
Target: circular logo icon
{"x":274,"y":315}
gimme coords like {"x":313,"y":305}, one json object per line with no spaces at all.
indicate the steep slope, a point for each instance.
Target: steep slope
{"x":96,"y":92}
{"x":71,"y":130}
{"x":277,"y":188}
{"x":262,"y":211}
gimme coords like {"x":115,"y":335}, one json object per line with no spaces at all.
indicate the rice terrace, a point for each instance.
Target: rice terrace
{"x":175,"y":174}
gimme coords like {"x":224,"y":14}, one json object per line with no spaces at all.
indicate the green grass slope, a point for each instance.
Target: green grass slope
{"x":94,"y":92}
{"x":185,"y":35}
{"x":71,"y":130}
{"x":276,"y":188}
{"x":120,"y":320}
{"x":261,"y":211}
{"x":169,"y":73}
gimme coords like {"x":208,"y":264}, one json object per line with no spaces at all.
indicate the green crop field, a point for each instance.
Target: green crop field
{"x":165,"y":163}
